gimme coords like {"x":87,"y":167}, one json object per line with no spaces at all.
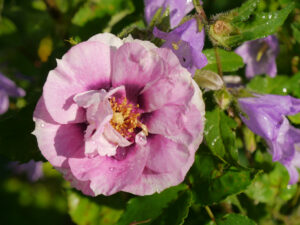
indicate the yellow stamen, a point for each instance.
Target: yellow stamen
{"x":262,"y":51}
{"x":125,"y":118}
{"x":175,"y":45}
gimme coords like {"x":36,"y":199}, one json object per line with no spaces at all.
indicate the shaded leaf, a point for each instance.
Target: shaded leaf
{"x":213,"y":182}
{"x":281,"y":85}
{"x":17,"y":142}
{"x":148,"y":208}
{"x":235,"y":219}
{"x":6,"y":26}
{"x":219,"y":135}
{"x":177,"y":210}
{"x":296,"y":31}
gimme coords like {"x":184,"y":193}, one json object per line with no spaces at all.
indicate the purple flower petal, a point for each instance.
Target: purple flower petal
{"x":265,"y":116}
{"x":32,"y":169}
{"x":178,"y":9}
{"x":4,"y":101}
{"x":260,"y":56}
{"x":10,"y":87}
{"x":187,"y":43}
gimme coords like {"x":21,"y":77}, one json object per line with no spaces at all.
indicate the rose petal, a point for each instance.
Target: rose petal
{"x":84,"y":67}
{"x":166,"y":91}
{"x":165,"y":150}
{"x":107,"y":174}
{"x":108,"y":39}
{"x":134,"y":66}
{"x":56,"y":142}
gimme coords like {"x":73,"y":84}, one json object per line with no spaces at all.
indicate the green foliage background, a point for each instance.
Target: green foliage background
{"x":233,"y":176}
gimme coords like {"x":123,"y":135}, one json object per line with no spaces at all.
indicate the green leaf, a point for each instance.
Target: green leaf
{"x":1,"y":7}
{"x":272,"y":187}
{"x":212,"y":182}
{"x":296,"y":31}
{"x":235,"y":219}
{"x":231,"y":29}
{"x":92,"y":10}
{"x":117,"y":18}
{"x":7,"y":26}
{"x":268,"y":85}
{"x":219,"y":135}
{"x":295,"y":118}
{"x":149,"y":208}
{"x":177,"y":210}
{"x":243,"y":13}
{"x":281,"y":85}
{"x":85,"y":211}
{"x":230,"y":60}
{"x":263,"y":24}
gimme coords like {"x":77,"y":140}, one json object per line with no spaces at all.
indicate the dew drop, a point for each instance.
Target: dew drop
{"x":111,"y":169}
{"x":215,"y":141}
{"x":42,"y":125}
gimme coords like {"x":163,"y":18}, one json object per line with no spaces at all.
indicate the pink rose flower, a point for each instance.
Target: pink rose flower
{"x":120,"y":115}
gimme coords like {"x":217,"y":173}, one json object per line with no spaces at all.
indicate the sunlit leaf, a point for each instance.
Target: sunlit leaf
{"x":86,"y":211}
{"x":230,"y":61}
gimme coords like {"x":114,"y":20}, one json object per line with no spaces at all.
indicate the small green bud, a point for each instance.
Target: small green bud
{"x":249,"y":139}
{"x":208,"y":79}
{"x":223,"y":98}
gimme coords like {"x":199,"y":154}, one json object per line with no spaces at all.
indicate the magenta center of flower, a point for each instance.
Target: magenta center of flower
{"x":125,"y":118}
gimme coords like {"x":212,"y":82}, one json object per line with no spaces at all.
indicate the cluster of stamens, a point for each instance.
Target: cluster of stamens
{"x":125,"y":118}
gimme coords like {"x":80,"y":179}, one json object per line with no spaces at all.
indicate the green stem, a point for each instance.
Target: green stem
{"x":218,"y":59}
{"x":210,"y":214}
{"x":200,"y":11}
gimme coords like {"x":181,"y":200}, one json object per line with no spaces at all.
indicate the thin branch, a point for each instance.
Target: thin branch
{"x":210,"y":214}
{"x":140,"y":222}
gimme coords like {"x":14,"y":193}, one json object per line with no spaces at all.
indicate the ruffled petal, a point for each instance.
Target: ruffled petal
{"x":134,"y":66}
{"x":84,"y":67}
{"x":108,"y":39}
{"x":165,"y":91}
{"x":151,"y":182}
{"x":57,"y":142}
{"x":107,"y":174}
{"x":165,"y":150}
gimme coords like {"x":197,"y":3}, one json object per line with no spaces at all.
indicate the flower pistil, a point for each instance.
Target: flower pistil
{"x":126,"y":118}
